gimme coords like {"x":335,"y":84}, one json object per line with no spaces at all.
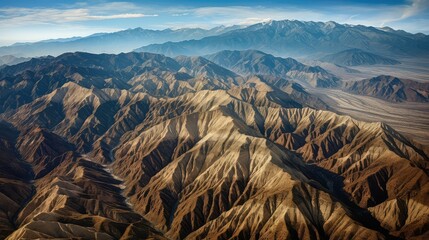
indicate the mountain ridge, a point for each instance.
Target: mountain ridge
{"x":299,"y":38}
{"x":260,"y":63}
{"x":356,"y":57}
{"x":390,"y":88}
{"x":138,"y":72}
{"x":115,"y":42}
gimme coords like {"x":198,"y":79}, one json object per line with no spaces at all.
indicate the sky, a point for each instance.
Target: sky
{"x":32,"y":20}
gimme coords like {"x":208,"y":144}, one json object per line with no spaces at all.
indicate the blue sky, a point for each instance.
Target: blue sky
{"x":31,"y":20}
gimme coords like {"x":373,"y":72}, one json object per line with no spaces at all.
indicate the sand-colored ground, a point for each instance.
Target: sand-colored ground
{"x":411,"y":119}
{"x":414,"y":69}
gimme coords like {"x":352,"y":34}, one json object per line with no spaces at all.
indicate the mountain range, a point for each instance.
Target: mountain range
{"x":140,"y":145}
{"x":280,"y":38}
{"x":297,"y":38}
{"x":115,"y":42}
{"x":138,"y":72}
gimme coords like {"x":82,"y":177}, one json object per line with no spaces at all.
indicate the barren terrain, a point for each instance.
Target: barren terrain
{"x":411,"y":119}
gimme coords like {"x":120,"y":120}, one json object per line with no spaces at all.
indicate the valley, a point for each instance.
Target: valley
{"x":410,"y":68}
{"x":411,"y":119}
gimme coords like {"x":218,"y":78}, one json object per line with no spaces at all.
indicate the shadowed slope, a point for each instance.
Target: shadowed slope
{"x":356,"y":57}
{"x":390,"y":88}
{"x":256,"y":62}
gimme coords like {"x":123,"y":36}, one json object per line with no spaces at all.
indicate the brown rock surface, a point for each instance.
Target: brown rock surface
{"x":234,"y":158}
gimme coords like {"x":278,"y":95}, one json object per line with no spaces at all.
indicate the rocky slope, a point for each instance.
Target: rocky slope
{"x":242,"y":158}
{"x":256,"y":62}
{"x":294,"y":89}
{"x":154,"y":74}
{"x":15,"y":176}
{"x":357,"y":156}
{"x":50,"y":191}
{"x":356,"y":57}
{"x":171,"y":160}
{"x":390,"y":88}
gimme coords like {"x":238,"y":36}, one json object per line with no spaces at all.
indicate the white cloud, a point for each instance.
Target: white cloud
{"x":24,"y":16}
{"x":254,"y":20}
{"x":119,"y":16}
{"x":243,"y":15}
{"x":180,"y":14}
{"x":80,"y":19}
{"x":413,"y":8}
{"x":376,"y":15}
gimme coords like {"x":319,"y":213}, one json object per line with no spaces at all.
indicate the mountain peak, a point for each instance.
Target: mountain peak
{"x":390,"y":88}
{"x":331,"y":24}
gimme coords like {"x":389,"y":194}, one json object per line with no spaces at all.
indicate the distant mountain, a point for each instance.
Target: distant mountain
{"x":249,"y":62}
{"x":149,"y":73}
{"x":390,"y":88}
{"x":11,"y":60}
{"x":116,"y":42}
{"x":356,"y":57}
{"x":141,"y":72}
{"x":402,"y":32}
{"x":296,"y":38}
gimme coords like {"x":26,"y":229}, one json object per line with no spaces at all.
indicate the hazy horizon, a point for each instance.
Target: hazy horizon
{"x":23,"y":22}
{"x":174,"y":28}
